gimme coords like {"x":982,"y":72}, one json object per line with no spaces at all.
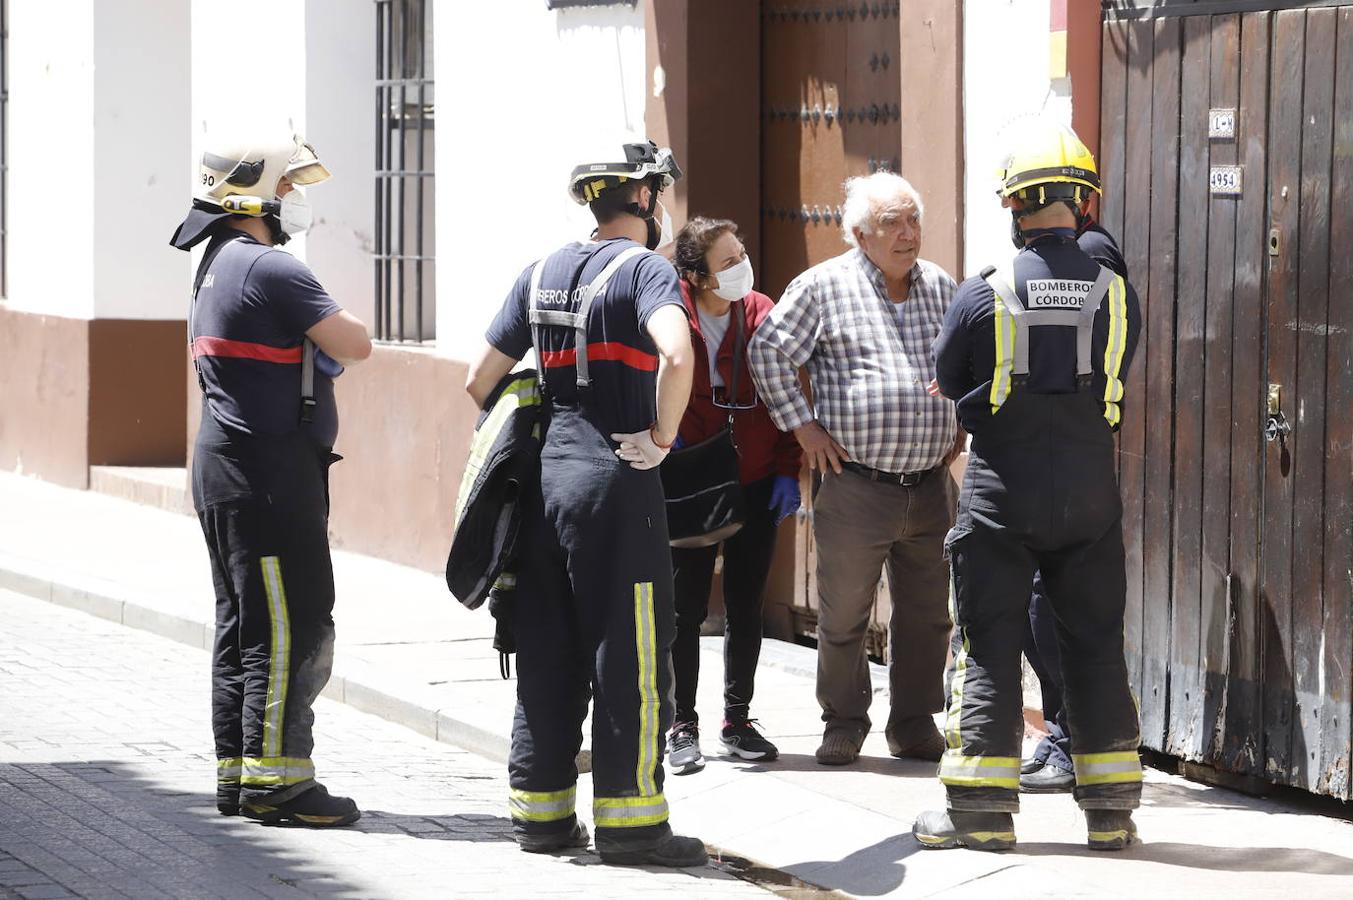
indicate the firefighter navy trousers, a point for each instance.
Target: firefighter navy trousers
{"x":595,"y":619}
{"x":263,"y":505}
{"x":1041,"y":495}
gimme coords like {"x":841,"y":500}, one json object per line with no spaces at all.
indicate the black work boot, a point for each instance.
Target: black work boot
{"x":1110,"y":829}
{"x":228,"y":798}
{"x":1050,"y":779}
{"x":674,"y":851}
{"x":947,"y":829}
{"x":313,"y":808}
{"x":573,"y":839}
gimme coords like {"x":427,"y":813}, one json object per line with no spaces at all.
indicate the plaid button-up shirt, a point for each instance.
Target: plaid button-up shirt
{"x":868,"y":359}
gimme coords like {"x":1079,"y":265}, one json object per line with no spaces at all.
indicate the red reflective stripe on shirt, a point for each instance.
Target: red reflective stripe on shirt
{"x":635,"y":359}
{"x":211,"y":346}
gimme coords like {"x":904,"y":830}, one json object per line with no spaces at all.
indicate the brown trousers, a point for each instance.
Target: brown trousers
{"x":860,"y":526}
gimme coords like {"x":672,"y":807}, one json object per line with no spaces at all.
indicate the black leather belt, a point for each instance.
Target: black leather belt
{"x":905,"y":479}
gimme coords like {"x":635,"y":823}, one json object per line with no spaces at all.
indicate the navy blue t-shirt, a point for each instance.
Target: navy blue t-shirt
{"x":248,"y":325}
{"x":1102,"y":248}
{"x":622,"y":358}
{"x":965,"y":351}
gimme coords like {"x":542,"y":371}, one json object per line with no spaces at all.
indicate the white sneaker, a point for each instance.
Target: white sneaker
{"x":683,"y":750}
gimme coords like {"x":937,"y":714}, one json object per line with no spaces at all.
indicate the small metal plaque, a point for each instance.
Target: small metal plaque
{"x":1221,"y":123}
{"x":1227,"y":180}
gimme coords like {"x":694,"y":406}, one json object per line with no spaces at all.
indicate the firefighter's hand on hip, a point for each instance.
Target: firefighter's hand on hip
{"x":640,"y":450}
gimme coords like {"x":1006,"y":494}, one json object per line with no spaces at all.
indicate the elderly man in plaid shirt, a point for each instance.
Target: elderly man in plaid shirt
{"x":863,"y":324}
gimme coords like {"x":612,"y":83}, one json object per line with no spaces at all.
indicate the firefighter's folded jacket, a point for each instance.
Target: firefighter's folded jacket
{"x":504,"y":465}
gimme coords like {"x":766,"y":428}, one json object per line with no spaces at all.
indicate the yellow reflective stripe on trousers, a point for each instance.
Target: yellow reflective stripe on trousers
{"x":1114,"y":350}
{"x":229,"y":769}
{"x":629,"y":812}
{"x":276,"y":771}
{"x":1005,"y":354}
{"x":1117,"y":767}
{"x":279,"y":663}
{"x":979,"y":771}
{"x":542,"y":806}
{"x":646,"y":647}
{"x":953,"y":723}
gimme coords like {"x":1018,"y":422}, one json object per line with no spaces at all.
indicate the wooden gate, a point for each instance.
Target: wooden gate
{"x":1240,"y":549}
{"x":831,"y":108}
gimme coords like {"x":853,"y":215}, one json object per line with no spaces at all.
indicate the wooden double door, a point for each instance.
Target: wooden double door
{"x":831,"y":108}
{"x":1236,"y":453}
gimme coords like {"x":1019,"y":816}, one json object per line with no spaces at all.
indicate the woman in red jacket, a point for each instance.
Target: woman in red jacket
{"x":716,"y":283}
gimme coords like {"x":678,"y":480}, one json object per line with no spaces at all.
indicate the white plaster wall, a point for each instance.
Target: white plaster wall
{"x":340,"y":68}
{"x":245,"y":77}
{"x":518,"y":105}
{"x":999,"y":89}
{"x":50,"y":251}
{"x":141,"y":111}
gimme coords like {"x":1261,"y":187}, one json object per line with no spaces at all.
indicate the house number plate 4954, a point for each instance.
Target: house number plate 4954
{"x":1226,"y":180}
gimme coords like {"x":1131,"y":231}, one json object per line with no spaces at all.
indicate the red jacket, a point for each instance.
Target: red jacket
{"x":764,"y":450}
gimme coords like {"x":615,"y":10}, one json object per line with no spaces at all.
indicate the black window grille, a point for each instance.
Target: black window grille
{"x":404,"y":265}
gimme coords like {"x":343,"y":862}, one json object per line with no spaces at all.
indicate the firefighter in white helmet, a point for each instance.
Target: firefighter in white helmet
{"x":595,"y":612}
{"x":267,"y":342}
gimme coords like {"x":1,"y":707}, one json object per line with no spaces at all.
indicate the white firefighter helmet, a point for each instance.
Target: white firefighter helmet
{"x":253,"y":168}
{"x":643,"y":160}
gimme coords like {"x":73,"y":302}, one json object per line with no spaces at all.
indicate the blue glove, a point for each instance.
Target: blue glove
{"x":678,"y":443}
{"x":784,"y":497}
{"x":326,"y":364}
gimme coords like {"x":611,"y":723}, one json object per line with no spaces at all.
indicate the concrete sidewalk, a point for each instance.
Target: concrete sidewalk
{"x":409,"y":653}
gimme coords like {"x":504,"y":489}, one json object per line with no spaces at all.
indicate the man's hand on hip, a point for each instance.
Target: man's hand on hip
{"x":640,"y":450}
{"x":820,"y":448}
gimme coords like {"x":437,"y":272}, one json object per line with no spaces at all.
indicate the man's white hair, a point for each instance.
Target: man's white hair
{"x":865,"y":193}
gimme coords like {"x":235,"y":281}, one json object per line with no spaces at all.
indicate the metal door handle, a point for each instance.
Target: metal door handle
{"x":1276,"y":428}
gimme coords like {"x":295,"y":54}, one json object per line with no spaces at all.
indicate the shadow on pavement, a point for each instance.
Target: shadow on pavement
{"x":868,"y":872}
{"x":807,"y":762}
{"x":471,"y":827}
{"x":91,"y":826}
{"x":474,"y":827}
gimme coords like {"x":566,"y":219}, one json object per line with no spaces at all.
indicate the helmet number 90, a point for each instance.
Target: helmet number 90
{"x":208,"y":179}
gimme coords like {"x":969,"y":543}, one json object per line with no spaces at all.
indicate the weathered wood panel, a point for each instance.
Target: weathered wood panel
{"x":1242,"y":746}
{"x":1158,"y":507}
{"x":1284,"y":184}
{"x":1308,"y":411}
{"x":1336,"y":687}
{"x":1136,"y":242}
{"x":1215,"y":610}
{"x":1190,"y":363}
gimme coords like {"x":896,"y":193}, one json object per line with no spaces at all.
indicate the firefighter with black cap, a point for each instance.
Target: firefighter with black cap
{"x":1035,"y":354}
{"x":595,"y":613}
{"x":267,"y":342}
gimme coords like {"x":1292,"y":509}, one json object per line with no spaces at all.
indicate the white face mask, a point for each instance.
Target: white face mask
{"x":735,"y":282}
{"x":667,"y":235}
{"x":295,"y":215}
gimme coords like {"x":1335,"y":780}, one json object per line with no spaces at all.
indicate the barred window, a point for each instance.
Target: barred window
{"x":404,"y":273}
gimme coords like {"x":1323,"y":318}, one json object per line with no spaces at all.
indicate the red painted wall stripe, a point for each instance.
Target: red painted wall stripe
{"x":1058,"y":11}
{"x":212,"y":346}
{"x":615,"y":352}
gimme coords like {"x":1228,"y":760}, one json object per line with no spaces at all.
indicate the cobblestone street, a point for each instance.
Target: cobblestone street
{"x":106,"y":779}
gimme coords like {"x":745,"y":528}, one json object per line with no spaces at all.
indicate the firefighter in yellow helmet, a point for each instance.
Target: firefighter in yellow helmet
{"x":1035,"y":353}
